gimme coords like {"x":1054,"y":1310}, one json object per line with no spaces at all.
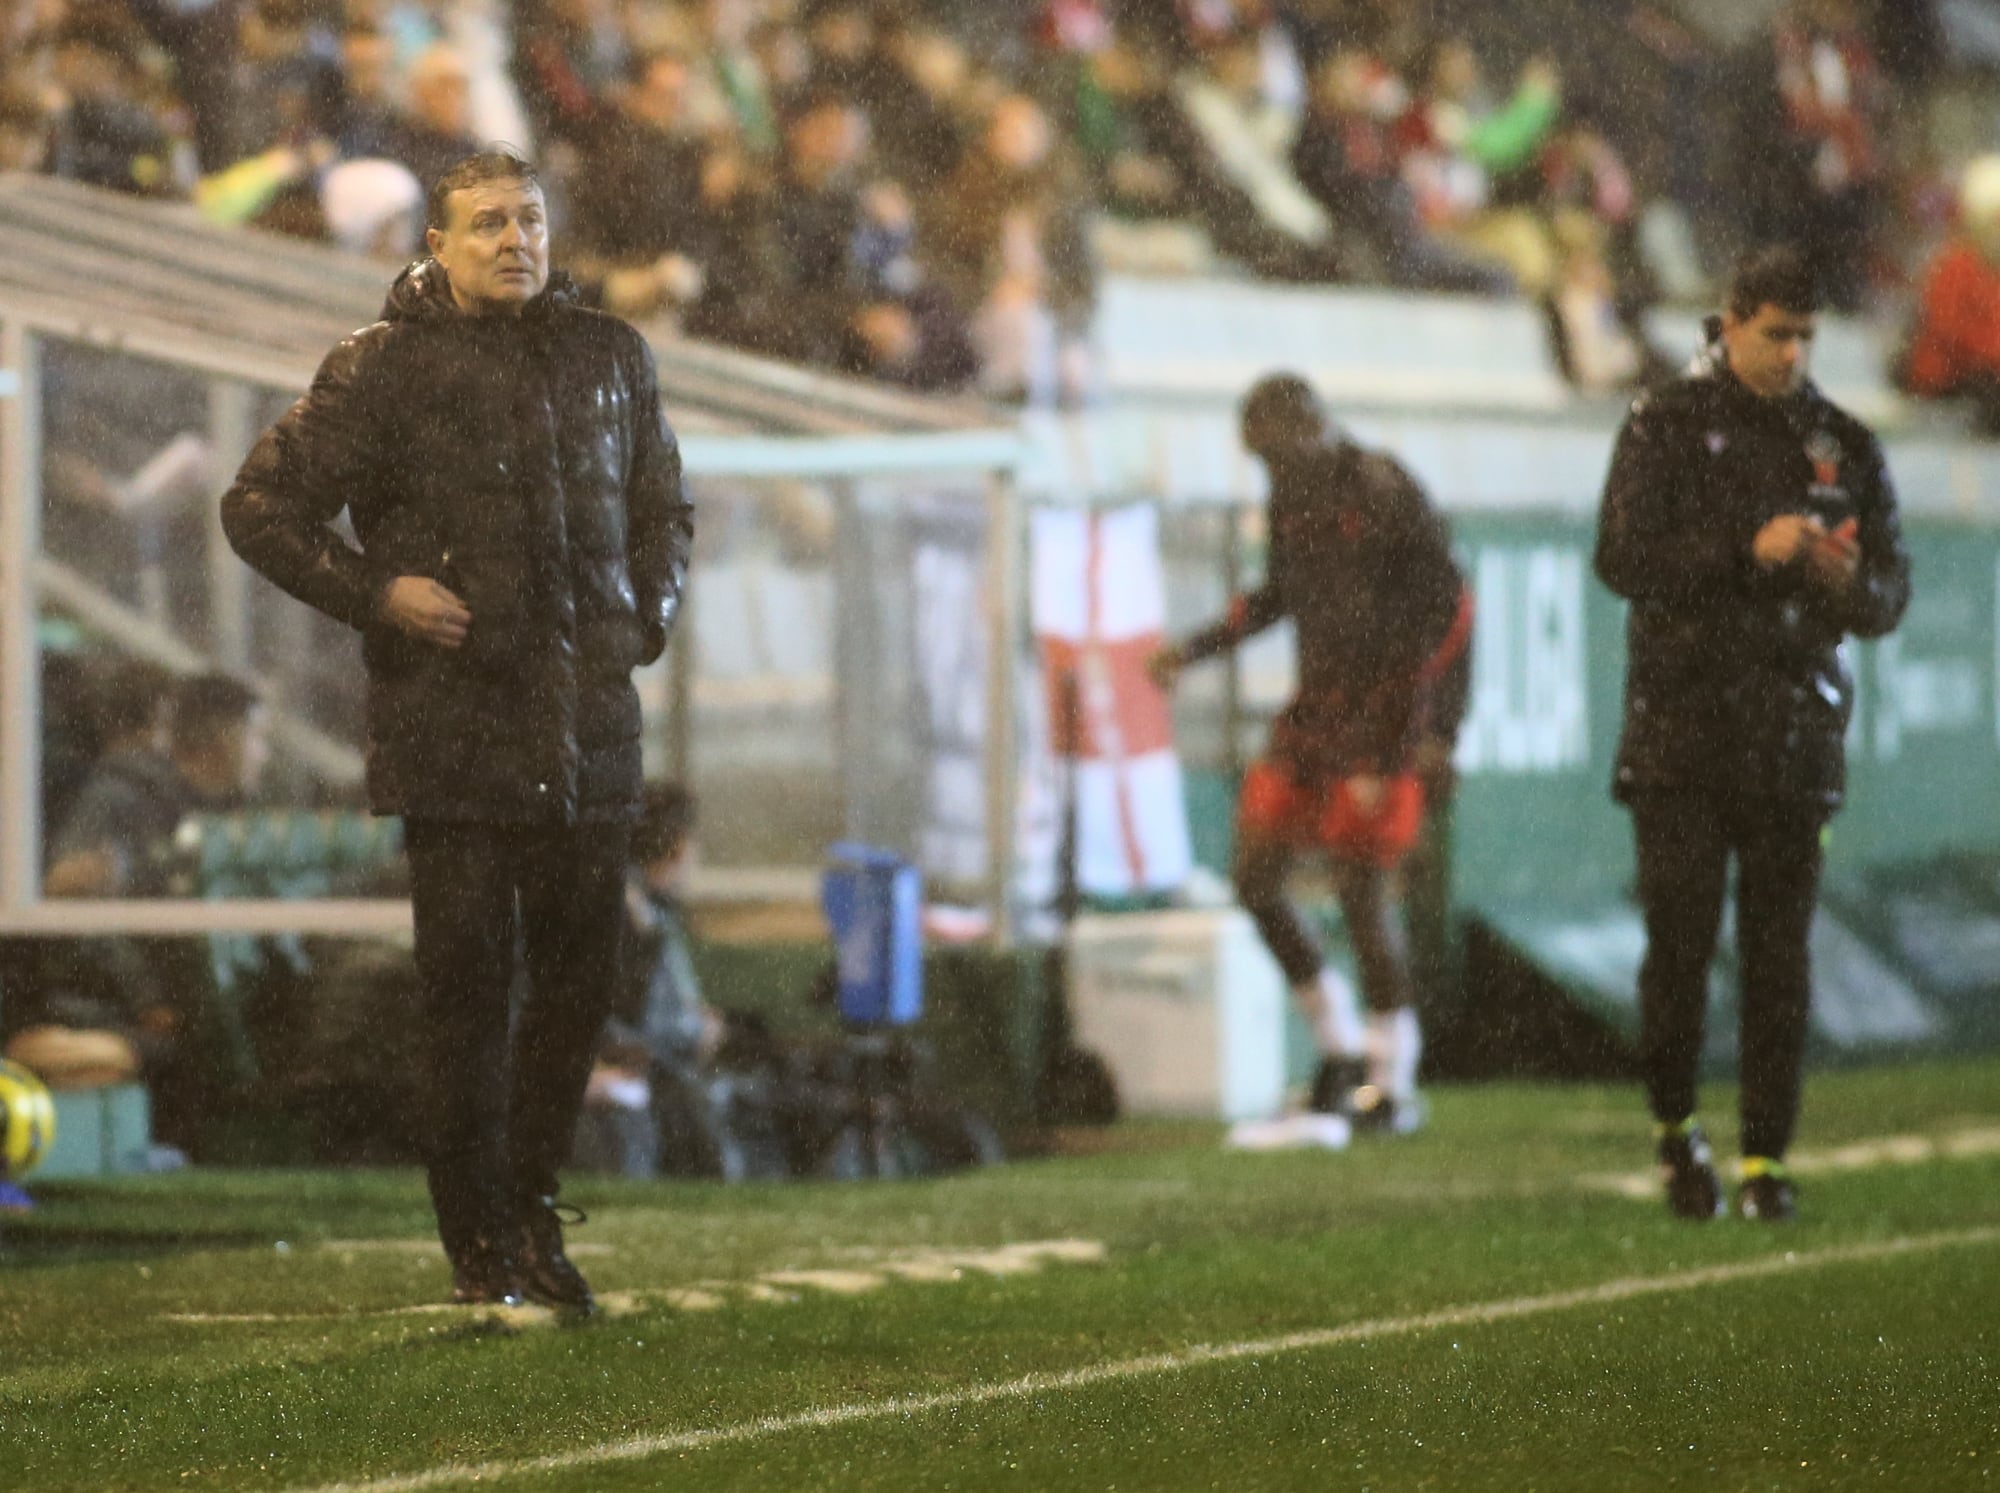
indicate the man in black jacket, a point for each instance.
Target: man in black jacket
{"x":1751,"y":525}
{"x":523,"y":538}
{"x":1361,"y":562}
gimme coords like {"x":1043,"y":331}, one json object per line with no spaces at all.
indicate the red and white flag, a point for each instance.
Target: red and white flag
{"x":1099,"y":610}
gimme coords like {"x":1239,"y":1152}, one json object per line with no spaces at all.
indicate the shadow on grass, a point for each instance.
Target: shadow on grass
{"x":37,"y":1244}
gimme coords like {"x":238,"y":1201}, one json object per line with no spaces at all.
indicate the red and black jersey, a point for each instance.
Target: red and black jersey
{"x":1361,"y":562}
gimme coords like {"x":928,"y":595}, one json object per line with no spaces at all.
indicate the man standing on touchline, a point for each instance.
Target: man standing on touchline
{"x":522,"y":541}
{"x":1752,"y":526}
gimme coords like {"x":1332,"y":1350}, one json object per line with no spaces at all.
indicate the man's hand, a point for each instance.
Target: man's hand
{"x":419,"y":606}
{"x":1164,"y":669}
{"x":1836,"y":556}
{"x":1784,"y":538}
{"x":1364,"y":790}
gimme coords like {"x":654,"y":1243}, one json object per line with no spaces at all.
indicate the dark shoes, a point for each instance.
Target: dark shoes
{"x":546,"y":1274}
{"x":1340,"y":1087}
{"x":1767,"y":1196}
{"x":525,"y":1264}
{"x":485,"y":1274}
{"x":1376,"y":1112}
{"x":1334,"y":1083}
{"x":1687,"y":1166}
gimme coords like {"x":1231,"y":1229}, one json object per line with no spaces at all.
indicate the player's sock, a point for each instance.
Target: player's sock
{"x":1328,"y":1001}
{"x":1395,"y":1046}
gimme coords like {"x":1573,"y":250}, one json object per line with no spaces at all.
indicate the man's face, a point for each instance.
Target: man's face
{"x":1770,"y":350}
{"x":824,"y":140}
{"x":441,"y":96}
{"x":659,"y":98}
{"x":365,"y":60}
{"x":1018,"y":136}
{"x":494,"y":246}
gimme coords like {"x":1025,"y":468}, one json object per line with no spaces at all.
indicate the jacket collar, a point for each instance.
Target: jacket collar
{"x":422,"y":292}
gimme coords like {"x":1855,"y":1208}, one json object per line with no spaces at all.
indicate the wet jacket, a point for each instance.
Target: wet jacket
{"x":1361,"y":562}
{"x":1735,"y":677}
{"x":524,"y":464}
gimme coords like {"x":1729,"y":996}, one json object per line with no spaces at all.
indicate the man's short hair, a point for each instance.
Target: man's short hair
{"x":666,"y":819}
{"x":1777,"y":276}
{"x":130,"y":698}
{"x":208,"y":704}
{"x":498,"y":164}
{"x":1281,"y":409}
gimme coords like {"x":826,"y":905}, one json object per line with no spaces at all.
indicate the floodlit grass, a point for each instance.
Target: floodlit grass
{"x":1861,"y":1363}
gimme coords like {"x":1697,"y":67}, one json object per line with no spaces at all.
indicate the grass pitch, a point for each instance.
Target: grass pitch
{"x":1479,"y":1306}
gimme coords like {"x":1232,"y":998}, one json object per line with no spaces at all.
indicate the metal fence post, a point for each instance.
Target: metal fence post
{"x":20,"y":655}
{"x":1004,"y":602}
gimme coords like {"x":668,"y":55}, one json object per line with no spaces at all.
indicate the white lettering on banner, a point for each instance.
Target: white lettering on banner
{"x":1529,"y":712}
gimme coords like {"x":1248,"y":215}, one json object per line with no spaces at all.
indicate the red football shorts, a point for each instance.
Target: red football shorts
{"x":1274,"y":805}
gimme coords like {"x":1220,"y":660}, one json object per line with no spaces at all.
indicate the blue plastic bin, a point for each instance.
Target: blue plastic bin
{"x":874,"y":905}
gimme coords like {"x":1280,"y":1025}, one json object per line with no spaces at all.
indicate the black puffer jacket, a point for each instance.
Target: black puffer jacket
{"x":1735,"y":677}
{"x":523,"y":463}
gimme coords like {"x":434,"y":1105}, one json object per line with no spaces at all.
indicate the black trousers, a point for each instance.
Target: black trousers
{"x":1367,"y":910}
{"x":506,"y":1086}
{"x":1685,"y":843}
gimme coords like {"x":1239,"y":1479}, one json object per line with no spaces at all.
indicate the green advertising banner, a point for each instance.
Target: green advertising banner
{"x":1906,"y":950}
{"x":1534,"y":820}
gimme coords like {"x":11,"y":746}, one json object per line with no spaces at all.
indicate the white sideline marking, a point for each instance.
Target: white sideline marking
{"x":1475,"y":1315}
{"x":1887,"y":1150}
{"x":928,"y":1266}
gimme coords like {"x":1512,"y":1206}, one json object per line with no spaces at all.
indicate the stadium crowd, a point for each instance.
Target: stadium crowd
{"x":924,"y":190}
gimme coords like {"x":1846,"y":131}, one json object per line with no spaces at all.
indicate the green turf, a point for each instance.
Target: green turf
{"x":1877,"y":1371}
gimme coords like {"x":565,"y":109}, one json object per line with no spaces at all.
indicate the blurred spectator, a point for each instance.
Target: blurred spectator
{"x":118,"y":838}
{"x":1249,"y":132}
{"x":1677,"y":115}
{"x":1603,"y":284}
{"x":842,"y":54}
{"x":918,"y":342}
{"x":1470,"y":160}
{"x":568,"y":56}
{"x":434,"y":132}
{"x":1597,"y":351}
{"x":202,"y":41}
{"x":1811,"y":149}
{"x":730,"y":90}
{"x":660,"y":1023}
{"x":816,"y":209}
{"x":1348,"y":157}
{"x":24,"y":128}
{"x":1007,"y":242}
{"x":1954,"y":349}
{"x":288,"y":77}
{"x":374,"y":207}
{"x":1149,"y":162}
{"x":102,"y":1010}
{"x":917,"y":106}
{"x":103,"y":136}
{"x":248,"y":190}
{"x":645,"y":168}
{"x":367,"y":118}
{"x":730,"y":233}
{"x":126,"y":476}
